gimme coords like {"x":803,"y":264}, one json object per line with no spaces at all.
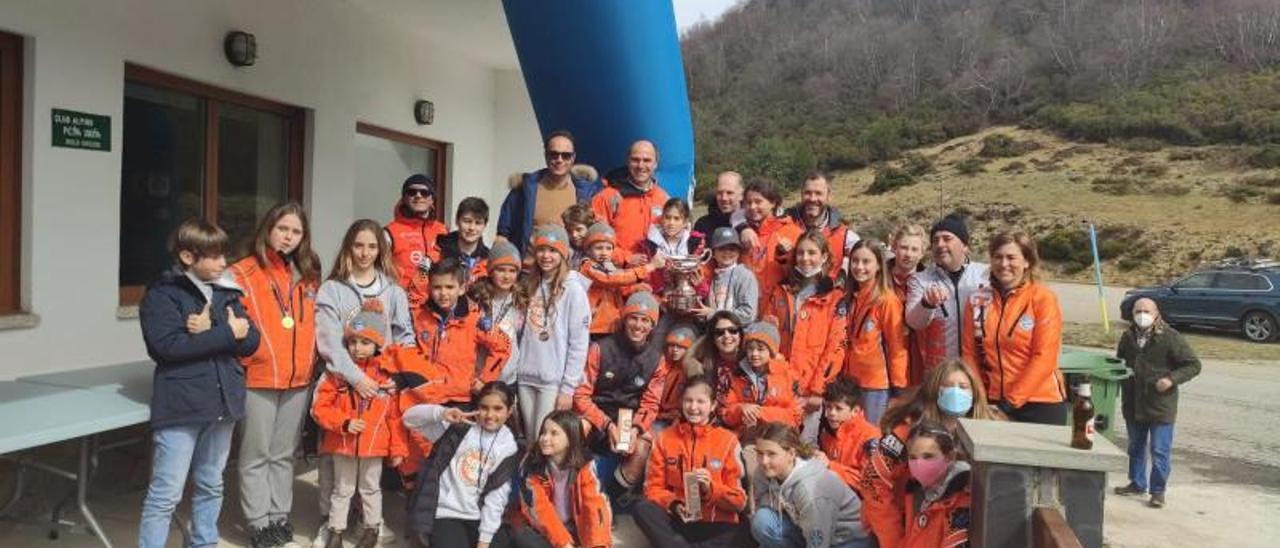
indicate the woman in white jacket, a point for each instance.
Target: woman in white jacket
{"x":556,"y":330}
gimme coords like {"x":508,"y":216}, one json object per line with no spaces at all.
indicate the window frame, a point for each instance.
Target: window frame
{"x":440,"y":148}
{"x":1213,"y":277}
{"x":213,"y":97}
{"x":11,"y":111}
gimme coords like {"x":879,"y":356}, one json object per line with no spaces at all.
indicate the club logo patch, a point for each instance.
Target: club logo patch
{"x":715,"y":464}
{"x":425,"y":335}
{"x":869,"y":326}
{"x":1027,"y":322}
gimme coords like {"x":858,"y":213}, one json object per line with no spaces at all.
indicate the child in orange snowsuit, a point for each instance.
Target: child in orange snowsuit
{"x":610,"y":285}
{"x":937,"y":500}
{"x":845,"y":431}
{"x":360,"y":432}
{"x":761,"y":389}
{"x":660,"y":403}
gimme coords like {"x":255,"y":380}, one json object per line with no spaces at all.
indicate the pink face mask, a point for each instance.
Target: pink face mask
{"x":928,"y":471}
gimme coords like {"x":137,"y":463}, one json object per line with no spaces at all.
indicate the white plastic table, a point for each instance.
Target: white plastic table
{"x":76,"y":405}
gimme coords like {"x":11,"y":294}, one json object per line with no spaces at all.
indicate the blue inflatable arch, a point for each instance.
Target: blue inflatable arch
{"x":610,"y":72}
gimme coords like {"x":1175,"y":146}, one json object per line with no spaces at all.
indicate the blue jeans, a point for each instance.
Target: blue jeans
{"x":1160,"y":437}
{"x":772,"y":529}
{"x":202,"y":450}
{"x":873,"y":404}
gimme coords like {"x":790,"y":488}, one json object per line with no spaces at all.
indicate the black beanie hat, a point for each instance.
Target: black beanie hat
{"x":419,"y":180}
{"x":953,"y":224}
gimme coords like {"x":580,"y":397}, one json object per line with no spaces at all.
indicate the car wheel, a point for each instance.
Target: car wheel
{"x":1259,"y":327}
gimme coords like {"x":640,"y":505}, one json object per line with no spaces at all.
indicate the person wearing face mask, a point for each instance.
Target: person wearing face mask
{"x":807,"y":309}
{"x":950,"y":391}
{"x":1016,"y":334}
{"x":1161,"y":361}
{"x":937,"y":500}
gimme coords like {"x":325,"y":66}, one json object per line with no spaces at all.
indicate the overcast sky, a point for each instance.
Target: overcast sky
{"x":689,"y":12}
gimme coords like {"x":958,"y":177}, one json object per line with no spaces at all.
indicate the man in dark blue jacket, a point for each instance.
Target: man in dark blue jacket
{"x":195,"y":330}
{"x":541,"y":196}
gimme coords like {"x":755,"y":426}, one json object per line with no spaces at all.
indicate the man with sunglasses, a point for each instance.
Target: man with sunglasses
{"x":538,"y":198}
{"x":413,"y":235}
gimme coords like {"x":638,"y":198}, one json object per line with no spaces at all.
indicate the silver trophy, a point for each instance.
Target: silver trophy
{"x":682,"y":272}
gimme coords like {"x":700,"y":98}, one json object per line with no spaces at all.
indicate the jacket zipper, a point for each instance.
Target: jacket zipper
{"x":1004,"y":396}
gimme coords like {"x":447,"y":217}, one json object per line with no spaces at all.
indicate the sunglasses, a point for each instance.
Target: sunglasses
{"x":554,"y":155}
{"x":417,"y":193}
{"x":722,"y":331}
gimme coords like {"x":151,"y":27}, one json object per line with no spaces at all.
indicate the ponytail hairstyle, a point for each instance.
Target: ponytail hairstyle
{"x":786,"y":436}
{"x":939,"y":434}
{"x":502,"y":389}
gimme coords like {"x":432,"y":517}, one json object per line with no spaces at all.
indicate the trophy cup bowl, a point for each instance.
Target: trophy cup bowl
{"x":682,"y":270}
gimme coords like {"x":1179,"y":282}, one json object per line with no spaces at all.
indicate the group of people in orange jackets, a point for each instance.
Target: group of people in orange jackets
{"x":528,"y":388}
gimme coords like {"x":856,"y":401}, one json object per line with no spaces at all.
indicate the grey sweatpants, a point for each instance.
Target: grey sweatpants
{"x":535,"y":404}
{"x":270,"y":432}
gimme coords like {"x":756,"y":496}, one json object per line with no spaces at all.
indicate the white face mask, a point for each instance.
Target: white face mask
{"x":1144,"y":319}
{"x":809,"y":272}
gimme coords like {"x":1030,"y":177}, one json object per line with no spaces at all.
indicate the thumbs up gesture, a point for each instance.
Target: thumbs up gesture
{"x":198,"y":323}
{"x":239,"y":326}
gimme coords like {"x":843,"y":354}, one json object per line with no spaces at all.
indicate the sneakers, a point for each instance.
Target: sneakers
{"x":335,"y":539}
{"x":322,"y":536}
{"x":263,"y":537}
{"x":1128,"y":490}
{"x":369,"y":538}
{"x":283,"y":533}
{"x":1157,"y":500}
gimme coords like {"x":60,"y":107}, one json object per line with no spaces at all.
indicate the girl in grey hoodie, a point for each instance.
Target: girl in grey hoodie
{"x":556,"y":331}
{"x":799,"y":501}
{"x":362,"y":270}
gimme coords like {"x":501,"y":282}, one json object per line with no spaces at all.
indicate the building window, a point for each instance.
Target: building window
{"x":192,"y":149}
{"x":384,"y":158}
{"x":10,"y":172}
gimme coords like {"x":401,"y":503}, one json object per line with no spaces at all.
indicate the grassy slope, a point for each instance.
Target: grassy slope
{"x":1182,"y":230}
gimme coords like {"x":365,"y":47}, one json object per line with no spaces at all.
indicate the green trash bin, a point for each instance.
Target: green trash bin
{"x":1104,"y":373}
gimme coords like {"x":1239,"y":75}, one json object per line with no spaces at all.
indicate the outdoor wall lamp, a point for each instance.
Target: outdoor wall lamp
{"x":240,"y":48}
{"x":424,"y":112}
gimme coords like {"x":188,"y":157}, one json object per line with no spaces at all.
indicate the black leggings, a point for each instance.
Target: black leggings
{"x":665,"y":530}
{"x":1038,"y":413}
{"x":465,"y":532}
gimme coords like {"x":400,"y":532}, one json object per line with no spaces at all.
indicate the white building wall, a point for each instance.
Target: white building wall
{"x":342,"y":61}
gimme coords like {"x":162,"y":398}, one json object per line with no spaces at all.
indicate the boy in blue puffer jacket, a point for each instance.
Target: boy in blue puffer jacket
{"x":196,"y":331}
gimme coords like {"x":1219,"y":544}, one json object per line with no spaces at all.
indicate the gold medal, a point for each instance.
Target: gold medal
{"x":287,"y":322}
{"x":544,"y":336}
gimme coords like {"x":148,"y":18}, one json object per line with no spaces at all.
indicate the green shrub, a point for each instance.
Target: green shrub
{"x":1139,"y":144}
{"x":1115,"y":186}
{"x":1000,"y":145}
{"x":1265,"y":158}
{"x":1014,"y":167}
{"x":917,"y":164}
{"x":786,"y":161}
{"x":1171,"y":189}
{"x":1152,"y":170}
{"x":1240,"y":192}
{"x":1186,"y":155}
{"x":1273,"y":198}
{"x":889,"y":179}
{"x":971,"y":166}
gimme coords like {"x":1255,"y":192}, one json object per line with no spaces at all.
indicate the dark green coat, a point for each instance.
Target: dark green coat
{"x":1166,"y":354}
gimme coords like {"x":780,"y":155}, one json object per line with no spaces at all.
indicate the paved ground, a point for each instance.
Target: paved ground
{"x":1080,"y":301}
{"x":1225,"y":489}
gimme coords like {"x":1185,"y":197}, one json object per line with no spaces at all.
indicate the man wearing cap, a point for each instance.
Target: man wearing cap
{"x":727,"y":201}
{"x":538,"y":198}
{"x":619,"y":367}
{"x":413,"y":234}
{"x":632,"y":201}
{"x":936,"y":297}
{"x":733,"y":286}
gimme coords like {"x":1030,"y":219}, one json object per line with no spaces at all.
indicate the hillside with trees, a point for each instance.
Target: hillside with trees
{"x":779,"y":87}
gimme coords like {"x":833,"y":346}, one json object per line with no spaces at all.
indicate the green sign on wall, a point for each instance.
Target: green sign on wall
{"x":73,"y":129}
